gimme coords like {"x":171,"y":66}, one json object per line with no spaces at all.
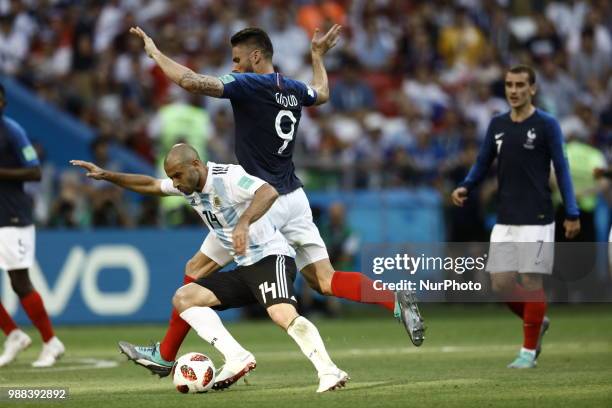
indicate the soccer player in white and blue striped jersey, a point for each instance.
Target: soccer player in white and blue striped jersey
{"x":234,"y":205}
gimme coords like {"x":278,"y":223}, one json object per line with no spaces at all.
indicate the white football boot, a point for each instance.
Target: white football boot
{"x":332,"y":380}
{"x":234,"y":370}
{"x":15,"y":343}
{"x":51,"y":351}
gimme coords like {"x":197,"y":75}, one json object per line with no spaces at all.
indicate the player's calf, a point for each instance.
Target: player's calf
{"x":319,"y":276}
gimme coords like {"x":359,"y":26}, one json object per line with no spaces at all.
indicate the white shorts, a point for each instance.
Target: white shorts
{"x":522,"y":248}
{"x":17,"y":245}
{"x":291,"y":214}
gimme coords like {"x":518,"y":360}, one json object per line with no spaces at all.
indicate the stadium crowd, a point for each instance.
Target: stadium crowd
{"x":413,"y":85}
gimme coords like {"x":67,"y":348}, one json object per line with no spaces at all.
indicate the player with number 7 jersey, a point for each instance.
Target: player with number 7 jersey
{"x":267,"y":109}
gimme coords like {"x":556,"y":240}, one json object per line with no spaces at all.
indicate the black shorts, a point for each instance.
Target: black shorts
{"x":267,"y":282}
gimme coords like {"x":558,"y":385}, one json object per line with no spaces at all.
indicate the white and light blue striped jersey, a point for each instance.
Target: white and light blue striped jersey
{"x":227,"y":193}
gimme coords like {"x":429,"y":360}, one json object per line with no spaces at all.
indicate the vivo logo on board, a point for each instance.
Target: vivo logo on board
{"x":83,"y":268}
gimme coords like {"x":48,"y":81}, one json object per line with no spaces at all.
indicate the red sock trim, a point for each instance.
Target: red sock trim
{"x":176,"y":332}
{"x":359,"y":288}
{"x":35,"y":309}
{"x":7,"y":324}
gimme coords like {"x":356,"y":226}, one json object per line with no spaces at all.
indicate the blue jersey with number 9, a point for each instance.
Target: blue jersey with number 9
{"x":267,"y":110}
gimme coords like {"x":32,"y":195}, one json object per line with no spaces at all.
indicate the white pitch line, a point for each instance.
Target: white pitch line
{"x":83,"y":364}
{"x":352,"y":352}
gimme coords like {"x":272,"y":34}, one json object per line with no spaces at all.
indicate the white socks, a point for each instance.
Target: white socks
{"x":308,"y":338}
{"x":208,"y":325}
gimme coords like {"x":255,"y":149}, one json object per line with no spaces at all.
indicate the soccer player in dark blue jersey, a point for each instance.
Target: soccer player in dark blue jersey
{"x":18,"y":164}
{"x":525,"y":141}
{"x":267,"y":108}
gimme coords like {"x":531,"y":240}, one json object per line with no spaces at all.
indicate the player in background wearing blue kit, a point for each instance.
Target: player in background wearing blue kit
{"x":524,"y":141}
{"x":267,"y":109}
{"x":19,"y":164}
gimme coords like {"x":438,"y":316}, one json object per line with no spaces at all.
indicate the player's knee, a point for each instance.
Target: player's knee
{"x":282,"y":314}
{"x":501,"y":286}
{"x":20,"y":282}
{"x":182,"y":300}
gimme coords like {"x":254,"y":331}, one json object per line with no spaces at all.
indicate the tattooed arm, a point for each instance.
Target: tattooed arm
{"x":179,"y":74}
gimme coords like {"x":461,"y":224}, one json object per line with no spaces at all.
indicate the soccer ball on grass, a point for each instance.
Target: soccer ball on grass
{"x":193,"y":373}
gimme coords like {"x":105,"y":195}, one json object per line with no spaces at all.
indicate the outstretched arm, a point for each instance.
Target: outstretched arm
{"x":139,"y":183}
{"x":318,"y":48}
{"x":179,"y":74}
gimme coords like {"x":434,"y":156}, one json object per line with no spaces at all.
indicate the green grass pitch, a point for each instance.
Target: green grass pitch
{"x":461,"y":364}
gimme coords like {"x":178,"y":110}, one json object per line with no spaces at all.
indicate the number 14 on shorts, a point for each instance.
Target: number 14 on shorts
{"x":267,"y":287}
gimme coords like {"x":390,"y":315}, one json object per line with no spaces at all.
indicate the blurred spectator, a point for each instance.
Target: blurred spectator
{"x":108,"y":25}
{"x":290,"y":42}
{"x":149,"y":215}
{"x":373,"y":45}
{"x":68,"y":209}
{"x":108,"y":208}
{"x":14,"y":45}
{"x":180,"y":122}
{"x":415,"y":49}
{"x":557,"y":91}
{"x":583,"y":158}
{"x":100,"y":154}
{"x":370,"y":153}
{"x":342,"y":243}
{"x":589,"y":64}
{"x":221,"y":142}
{"x":484,"y":107}
{"x":567,"y":16}
{"x":603,"y":38}
{"x":546,"y":43}
{"x":425,"y":93}
{"x":461,"y":42}
{"x":320,"y":14}
{"x":424,"y":157}
{"x":350,"y":93}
